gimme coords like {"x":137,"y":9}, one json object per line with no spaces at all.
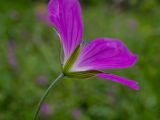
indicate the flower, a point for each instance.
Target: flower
{"x":42,"y":80}
{"x":41,"y":14}
{"x":76,"y":113}
{"x":87,"y":61}
{"x":12,"y":60}
{"x":133,"y":24}
{"x":46,"y":109}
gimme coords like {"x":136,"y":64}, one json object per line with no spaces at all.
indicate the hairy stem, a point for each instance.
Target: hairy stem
{"x":45,"y":95}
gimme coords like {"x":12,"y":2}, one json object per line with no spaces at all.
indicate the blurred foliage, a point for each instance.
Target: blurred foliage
{"x":29,"y":61}
{"x":141,"y":5}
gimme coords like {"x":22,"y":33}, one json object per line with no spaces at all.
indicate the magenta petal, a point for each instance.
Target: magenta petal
{"x":65,"y":15}
{"x":130,"y":83}
{"x":104,"y":53}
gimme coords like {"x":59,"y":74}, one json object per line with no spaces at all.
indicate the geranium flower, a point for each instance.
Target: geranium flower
{"x":81,"y":61}
{"x":87,"y":61}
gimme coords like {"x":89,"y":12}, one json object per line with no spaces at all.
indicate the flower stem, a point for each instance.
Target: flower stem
{"x":45,"y":95}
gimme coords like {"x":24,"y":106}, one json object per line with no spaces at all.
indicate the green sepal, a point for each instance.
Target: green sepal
{"x":71,"y":59}
{"x":82,"y":74}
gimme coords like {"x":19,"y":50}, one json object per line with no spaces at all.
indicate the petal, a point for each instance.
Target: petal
{"x":65,"y":15}
{"x":104,"y":53}
{"x":130,"y":83}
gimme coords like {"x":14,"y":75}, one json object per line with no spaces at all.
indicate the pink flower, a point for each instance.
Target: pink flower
{"x":76,"y":113}
{"x":12,"y":55}
{"x":133,"y":24}
{"x":42,"y":80}
{"x":46,"y":110}
{"x":86,"y":61}
{"x":41,"y":14}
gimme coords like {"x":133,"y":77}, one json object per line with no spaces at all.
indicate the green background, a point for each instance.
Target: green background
{"x":29,"y":61}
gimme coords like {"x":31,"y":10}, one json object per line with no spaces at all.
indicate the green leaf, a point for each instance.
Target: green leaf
{"x":71,"y":60}
{"x":82,"y":74}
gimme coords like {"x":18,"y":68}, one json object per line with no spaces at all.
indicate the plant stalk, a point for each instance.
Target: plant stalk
{"x":60,"y":77}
